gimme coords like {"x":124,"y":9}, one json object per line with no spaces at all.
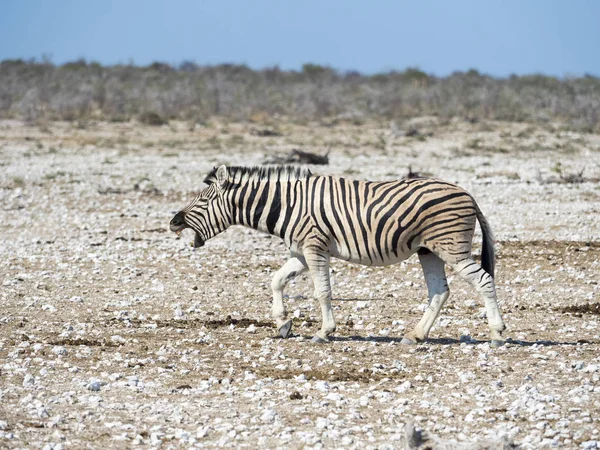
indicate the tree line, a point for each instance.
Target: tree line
{"x":79,"y":90}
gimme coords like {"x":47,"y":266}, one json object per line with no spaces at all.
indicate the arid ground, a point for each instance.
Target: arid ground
{"x":114,"y":333}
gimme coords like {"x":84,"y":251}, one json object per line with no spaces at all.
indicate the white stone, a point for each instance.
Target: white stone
{"x":118,"y":339}
{"x":404,"y":386}
{"x":268,"y":416}
{"x":178,"y":313}
{"x":322,"y":386}
{"x":95,"y":385}
{"x":321,"y":423}
{"x":28,"y":380}
{"x":59,"y":350}
{"x":334,"y":396}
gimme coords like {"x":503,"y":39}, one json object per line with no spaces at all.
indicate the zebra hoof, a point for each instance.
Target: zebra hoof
{"x":407,"y":341}
{"x":495,"y":343}
{"x":285,"y":329}
{"x":319,"y":340}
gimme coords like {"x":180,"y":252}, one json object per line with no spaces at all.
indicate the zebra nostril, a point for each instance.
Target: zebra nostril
{"x":177,"y":220}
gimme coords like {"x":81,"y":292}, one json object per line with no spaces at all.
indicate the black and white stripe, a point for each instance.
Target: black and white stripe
{"x":365,"y":222}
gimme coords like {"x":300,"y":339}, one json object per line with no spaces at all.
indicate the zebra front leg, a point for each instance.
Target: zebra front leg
{"x":483,"y":283}
{"x":294,"y":266}
{"x":437,"y":287}
{"x":318,"y":265}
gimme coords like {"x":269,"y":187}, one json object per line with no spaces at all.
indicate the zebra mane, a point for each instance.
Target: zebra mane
{"x":238,"y":174}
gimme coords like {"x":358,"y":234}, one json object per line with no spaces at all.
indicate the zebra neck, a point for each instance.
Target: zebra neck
{"x":264,"y":205}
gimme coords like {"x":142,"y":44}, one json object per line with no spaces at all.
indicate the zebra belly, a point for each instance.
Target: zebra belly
{"x":371,"y":258}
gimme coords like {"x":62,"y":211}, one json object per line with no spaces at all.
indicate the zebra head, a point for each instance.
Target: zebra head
{"x":207,"y":213}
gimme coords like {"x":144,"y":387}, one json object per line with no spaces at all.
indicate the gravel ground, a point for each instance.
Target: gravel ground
{"x":115,"y":333}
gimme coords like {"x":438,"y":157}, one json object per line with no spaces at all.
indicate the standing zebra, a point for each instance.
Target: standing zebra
{"x":364,"y":222}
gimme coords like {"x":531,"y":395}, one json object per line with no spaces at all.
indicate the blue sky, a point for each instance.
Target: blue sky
{"x":495,"y":37}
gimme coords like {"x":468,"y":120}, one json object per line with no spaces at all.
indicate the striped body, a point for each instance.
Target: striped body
{"x":365,"y":222}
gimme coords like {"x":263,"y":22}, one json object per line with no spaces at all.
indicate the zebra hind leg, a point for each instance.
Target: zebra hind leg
{"x":437,"y":287}
{"x":294,"y":266}
{"x":483,"y":283}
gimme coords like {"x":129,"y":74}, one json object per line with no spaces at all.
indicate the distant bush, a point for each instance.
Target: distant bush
{"x":79,"y":90}
{"x":151,"y":118}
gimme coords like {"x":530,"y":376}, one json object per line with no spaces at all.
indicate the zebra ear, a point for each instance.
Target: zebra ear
{"x":222,"y":176}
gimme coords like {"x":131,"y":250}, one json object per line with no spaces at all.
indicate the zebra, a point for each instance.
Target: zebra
{"x":374,"y":223}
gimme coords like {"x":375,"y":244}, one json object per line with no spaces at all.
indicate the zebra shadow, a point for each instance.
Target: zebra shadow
{"x":515,"y":342}
{"x":451,"y":341}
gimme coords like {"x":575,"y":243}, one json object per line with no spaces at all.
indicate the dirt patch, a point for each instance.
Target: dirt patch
{"x":85,"y":342}
{"x":244,"y":323}
{"x":579,"y":310}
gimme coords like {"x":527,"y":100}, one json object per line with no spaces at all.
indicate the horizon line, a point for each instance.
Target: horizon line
{"x":47,"y":59}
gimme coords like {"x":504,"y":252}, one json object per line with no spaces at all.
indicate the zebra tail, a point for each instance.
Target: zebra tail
{"x":488,"y":257}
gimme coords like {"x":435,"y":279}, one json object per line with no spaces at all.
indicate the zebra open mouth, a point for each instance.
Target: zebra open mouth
{"x":177,"y":229}
{"x":198,"y":241}
{"x":177,"y":225}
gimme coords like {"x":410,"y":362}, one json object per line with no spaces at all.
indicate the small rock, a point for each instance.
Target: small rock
{"x":28,"y":380}
{"x":156,"y":438}
{"x":202,"y":432}
{"x":470,"y":303}
{"x":37,"y":347}
{"x":321,"y":423}
{"x":251,"y":329}
{"x":178,"y":313}
{"x":95,"y":385}
{"x":334,"y":396}
{"x":293,"y":396}
{"x":361,"y":305}
{"x":117,"y":339}
{"x":133,"y":380}
{"x":322,"y":386}
{"x":59,"y":350}
{"x":399,"y":365}
{"x":404,"y":386}
{"x":268,"y":416}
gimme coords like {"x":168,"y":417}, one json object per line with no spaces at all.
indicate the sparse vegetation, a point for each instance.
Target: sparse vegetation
{"x":571,"y":177}
{"x":80,"y":91}
{"x":152,"y":118}
{"x":18,"y":182}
